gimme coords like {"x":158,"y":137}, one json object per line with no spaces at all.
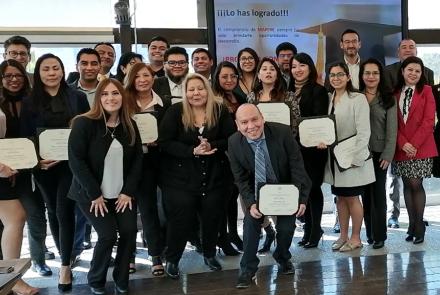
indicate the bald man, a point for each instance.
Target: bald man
{"x":284,"y":165}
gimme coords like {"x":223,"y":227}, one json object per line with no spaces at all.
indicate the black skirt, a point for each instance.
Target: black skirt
{"x":12,"y":191}
{"x":348,"y":191}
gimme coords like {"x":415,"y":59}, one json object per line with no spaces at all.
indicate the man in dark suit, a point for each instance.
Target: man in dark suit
{"x":407,"y":48}
{"x":283,"y":164}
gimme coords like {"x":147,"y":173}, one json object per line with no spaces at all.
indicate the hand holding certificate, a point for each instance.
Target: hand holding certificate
{"x":345,"y":151}
{"x":53,"y":144}
{"x":18,"y":153}
{"x":278,"y":112}
{"x":278,"y":199}
{"x":147,"y":125}
{"x":316,"y":130}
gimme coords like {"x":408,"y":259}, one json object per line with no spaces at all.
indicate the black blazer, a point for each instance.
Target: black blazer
{"x":88,"y":146}
{"x":285,"y":157}
{"x":314,"y":102}
{"x":179,"y":167}
{"x":162,"y":87}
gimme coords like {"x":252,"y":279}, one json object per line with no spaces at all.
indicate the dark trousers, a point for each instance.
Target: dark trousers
{"x":107,"y":228}
{"x":148,"y":205}
{"x":313,"y":214}
{"x":229,"y":219}
{"x":80,"y":232}
{"x":374,"y":202}
{"x":54,"y":185}
{"x":182,"y":208}
{"x":285,"y":226}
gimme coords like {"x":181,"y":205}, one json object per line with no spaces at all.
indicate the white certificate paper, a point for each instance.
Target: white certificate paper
{"x":18,"y":153}
{"x":345,"y":151}
{"x":278,"y":199}
{"x":313,"y":131}
{"x":278,"y":112}
{"x":53,"y":144}
{"x":147,"y":125}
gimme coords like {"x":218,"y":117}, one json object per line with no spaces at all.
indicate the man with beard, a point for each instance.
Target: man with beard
{"x":176,"y":69}
{"x":202,"y":62}
{"x":284,"y":52}
{"x":156,"y":49}
{"x":350,"y":44}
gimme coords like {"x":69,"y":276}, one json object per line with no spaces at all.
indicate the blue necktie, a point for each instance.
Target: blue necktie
{"x":260,"y":165}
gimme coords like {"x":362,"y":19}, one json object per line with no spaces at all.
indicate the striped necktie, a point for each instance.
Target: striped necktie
{"x":260,"y":165}
{"x":407,"y":101}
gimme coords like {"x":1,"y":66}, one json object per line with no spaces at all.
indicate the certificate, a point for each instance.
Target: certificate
{"x":345,"y":152}
{"x":316,"y":130}
{"x":18,"y":153}
{"x":147,"y":125}
{"x":278,"y":199}
{"x":53,"y":144}
{"x":278,"y":112}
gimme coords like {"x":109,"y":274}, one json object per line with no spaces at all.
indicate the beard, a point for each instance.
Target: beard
{"x":176,"y":79}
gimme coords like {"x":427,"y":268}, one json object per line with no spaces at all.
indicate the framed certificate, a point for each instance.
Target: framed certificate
{"x":147,"y":125}
{"x":345,"y":151}
{"x":316,"y":130}
{"x":278,"y":199}
{"x":278,"y":112}
{"x":53,"y":144}
{"x":18,"y":153}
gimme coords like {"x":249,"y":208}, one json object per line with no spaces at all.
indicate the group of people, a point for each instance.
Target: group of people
{"x":202,"y":161}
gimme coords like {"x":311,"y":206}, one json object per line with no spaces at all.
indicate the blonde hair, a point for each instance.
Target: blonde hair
{"x":97,"y":112}
{"x":212,"y":107}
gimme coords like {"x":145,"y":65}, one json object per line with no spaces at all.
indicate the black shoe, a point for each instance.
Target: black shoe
{"x":87,"y":245}
{"x":120,"y":290}
{"x":393,"y":222}
{"x":270,"y":237}
{"x":337,"y":228}
{"x":370,"y":241}
{"x":212,"y":263}
{"x":302,"y":242}
{"x":98,"y":291}
{"x":172,"y":270}
{"x":425,"y":222}
{"x":75,"y":260}
{"x":49,"y":255}
{"x":66,"y":287}
{"x":309,"y":245}
{"x":227,"y":248}
{"x":286,"y":268}
{"x":41,"y":269}
{"x":237,"y":241}
{"x":418,"y":240}
{"x":245,"y":280}
{"x":197,"y":244}
{"x":378,"y":244}
{"x":409,"y":238}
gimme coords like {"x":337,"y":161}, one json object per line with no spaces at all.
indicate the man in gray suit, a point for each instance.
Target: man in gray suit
{"x":407,"y":48}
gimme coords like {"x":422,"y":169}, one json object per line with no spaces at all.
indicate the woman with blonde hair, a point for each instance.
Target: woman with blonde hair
{"x":193,"y":136}
{"x":105,"y":157}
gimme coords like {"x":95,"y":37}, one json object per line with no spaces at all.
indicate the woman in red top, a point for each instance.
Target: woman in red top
{"x":415,"y":141}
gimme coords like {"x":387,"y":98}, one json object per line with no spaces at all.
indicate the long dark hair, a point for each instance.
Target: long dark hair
{"x":26,"y":84}
{"x":218,"y":90}
{"x":279,"y":89}
{"x":38,"y":92}
{"x":401,"y":80}
{"x":303,"y":58}
{"x":349,"y":88}
{"x":124,"y":60}
{"x":386,"y":97}
{"x":254,"y":55}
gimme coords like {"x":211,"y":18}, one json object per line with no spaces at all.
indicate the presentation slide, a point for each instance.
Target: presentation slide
{"x":313,"y":27}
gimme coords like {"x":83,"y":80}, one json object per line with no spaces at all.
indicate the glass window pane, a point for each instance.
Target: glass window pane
{"x":423,"y":14}
{"x":430,"y":54}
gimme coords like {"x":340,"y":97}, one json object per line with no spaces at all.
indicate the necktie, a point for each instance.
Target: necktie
{"x":406,"y":101}
{"x":260,"y":165}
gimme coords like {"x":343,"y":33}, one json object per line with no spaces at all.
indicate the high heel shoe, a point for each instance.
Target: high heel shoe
{"x":236,"y":240}
{"x":270,"y":238}
{"x":66,"y":287}
{"x":314,"y":244}
{"x":227,"y":249}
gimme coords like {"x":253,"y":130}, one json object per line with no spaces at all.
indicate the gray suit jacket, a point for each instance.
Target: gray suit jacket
{"x":383,"y":129}
{"x":391,"y":75}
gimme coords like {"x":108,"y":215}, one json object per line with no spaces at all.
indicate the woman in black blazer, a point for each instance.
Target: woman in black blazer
{"x":193,"y":137}
{"x":142,"y":98}
{"x":105,"y":156}
{"x":313,"y":101}
{"x":52,"y":104}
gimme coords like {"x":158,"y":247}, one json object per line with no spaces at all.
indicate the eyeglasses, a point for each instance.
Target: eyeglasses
{"x":337,"y":75}
{"x":245,"y":59}
{"x":226,"y":77}
{"x":282,"y":56}
{"x":375,"y":73}
{"x":173,"y":63}
{"x":14,"y":54}
{"x":10,"y":77}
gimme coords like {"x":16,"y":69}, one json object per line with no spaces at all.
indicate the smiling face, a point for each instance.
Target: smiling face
{"x":371,"y":76}
{"x":107,"y":55}
{"x":300,"y":71}
{"x":227,"y":79}
{"x":201,"y":62}
{"x":338,"y":78}
{"x":406,"y":49}
{"x":411,"y":74}
{"x":88,"y":67}
{"x":196,"y":93}
{"x":247,"y":62}
{"x":144,"y":80}
{"x":51,"y":73}
{"x":156,"y":50}
{"x":350,"y":44}
{"x":13,"y":79}
{"x":249,"y":121}
{"x":111,"y":99}
{"x":267,"y":73}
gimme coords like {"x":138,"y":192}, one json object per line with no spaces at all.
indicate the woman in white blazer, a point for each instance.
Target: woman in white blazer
{"x":352,"y":115}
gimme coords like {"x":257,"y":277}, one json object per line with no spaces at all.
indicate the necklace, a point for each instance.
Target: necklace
{"x":112,"y":133}
{"x":371,"y":93}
